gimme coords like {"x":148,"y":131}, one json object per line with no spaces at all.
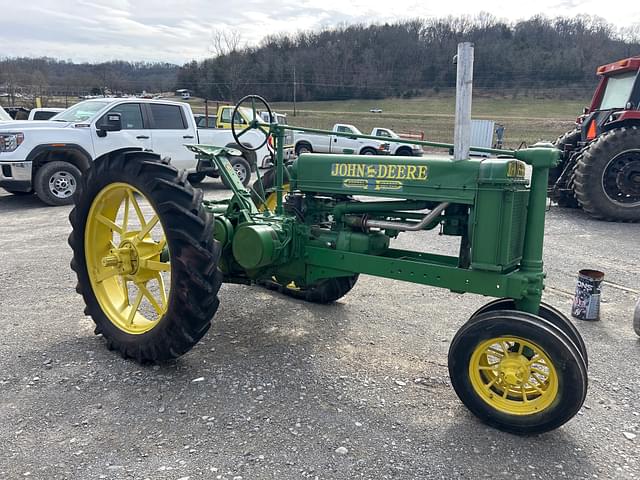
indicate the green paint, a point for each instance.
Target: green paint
{"x":321,"y":231}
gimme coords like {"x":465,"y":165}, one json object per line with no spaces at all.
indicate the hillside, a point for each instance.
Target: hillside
{"x":412,"y":58}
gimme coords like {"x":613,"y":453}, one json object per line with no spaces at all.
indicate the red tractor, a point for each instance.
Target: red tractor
{"x":600,"y":168}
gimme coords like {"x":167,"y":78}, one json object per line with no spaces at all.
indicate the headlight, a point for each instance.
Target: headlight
{"x":10,"y":141}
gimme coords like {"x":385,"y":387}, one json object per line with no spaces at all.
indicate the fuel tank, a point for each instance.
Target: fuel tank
{"x":415,"y":178}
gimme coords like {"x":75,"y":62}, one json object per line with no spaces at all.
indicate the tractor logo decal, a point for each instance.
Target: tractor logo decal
{"x":372,"y":184}
{"x":379,"y":172}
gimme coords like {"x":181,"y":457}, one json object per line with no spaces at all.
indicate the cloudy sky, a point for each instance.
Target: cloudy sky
{"x":179,"y":31}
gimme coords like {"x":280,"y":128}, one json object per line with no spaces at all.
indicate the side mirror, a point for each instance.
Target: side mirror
{"x":111,"y":122}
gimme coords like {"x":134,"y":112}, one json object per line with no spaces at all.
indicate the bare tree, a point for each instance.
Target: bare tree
{"x":225,"y":42}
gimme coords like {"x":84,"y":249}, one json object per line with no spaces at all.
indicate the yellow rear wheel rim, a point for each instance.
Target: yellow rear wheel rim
{"x":127,"y":258}
{"x":513,"y":375}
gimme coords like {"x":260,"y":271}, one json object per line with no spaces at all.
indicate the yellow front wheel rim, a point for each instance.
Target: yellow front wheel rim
{"x":513,"y":375}
{"x":127,"y":258}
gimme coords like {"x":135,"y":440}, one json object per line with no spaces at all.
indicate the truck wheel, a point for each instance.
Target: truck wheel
{"x":607,"y":182}
{"x":195,"y":178}
{"x":405,"y":152}
{"x":303,"y":148}
{"x":515,"y":373}
{"x":368,"y":151}
{"x":636,"y":319}
{"x":242,"y":169}
{"x":56,"y":182}
{"x":145,"y":256}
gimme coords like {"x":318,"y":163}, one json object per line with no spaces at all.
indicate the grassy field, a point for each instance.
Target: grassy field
{"x":526,"y":119}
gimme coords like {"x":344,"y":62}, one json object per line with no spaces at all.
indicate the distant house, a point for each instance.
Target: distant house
{"x":184,"y":93}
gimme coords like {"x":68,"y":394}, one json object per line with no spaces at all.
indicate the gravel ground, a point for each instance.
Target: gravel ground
{"x":280,"y":389}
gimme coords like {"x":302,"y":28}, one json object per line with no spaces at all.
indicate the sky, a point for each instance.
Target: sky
{"x":179,"y":31}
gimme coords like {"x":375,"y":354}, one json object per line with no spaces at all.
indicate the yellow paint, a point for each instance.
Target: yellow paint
{"x":122,"y":259}
{"x":513,"y":375}
{"x":382,"y":171}
{"x":272,"y":200}
{"x":515,"y":168}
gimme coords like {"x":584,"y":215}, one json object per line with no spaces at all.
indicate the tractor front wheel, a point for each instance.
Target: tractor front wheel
{"x":607,"y":179}
{"x":145,"y":256}
{"x":546,"y":312}
{"x":516,"y":373}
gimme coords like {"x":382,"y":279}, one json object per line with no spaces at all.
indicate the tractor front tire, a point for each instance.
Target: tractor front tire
{"x":516,"y":372}
{"x":145,"y":256}
{"x":607,"y":178}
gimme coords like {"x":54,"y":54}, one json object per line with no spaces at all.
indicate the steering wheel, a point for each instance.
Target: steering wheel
{"x":254,"y":123}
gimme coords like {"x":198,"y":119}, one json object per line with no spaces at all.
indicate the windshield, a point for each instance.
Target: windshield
{"x":387,"y":133}
{"x":80,"y":112}
{"x":618,"y":91}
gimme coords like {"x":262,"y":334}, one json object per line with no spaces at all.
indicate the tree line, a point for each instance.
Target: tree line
{"x":60,"y":77}
{"x":405,"y":59}
{"x":410,"y":58}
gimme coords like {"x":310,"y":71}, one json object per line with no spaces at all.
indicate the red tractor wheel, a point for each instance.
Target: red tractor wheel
{"x":607,"y":177}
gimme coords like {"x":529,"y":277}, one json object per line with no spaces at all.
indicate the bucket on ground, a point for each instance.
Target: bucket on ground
{"x":586,"y":302}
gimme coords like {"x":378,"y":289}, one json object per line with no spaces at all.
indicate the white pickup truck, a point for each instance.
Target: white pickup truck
{"x":396,"y":147}
{"x":4,"y":116}
{"x":315,"y":142}
{"x":49,"y":156}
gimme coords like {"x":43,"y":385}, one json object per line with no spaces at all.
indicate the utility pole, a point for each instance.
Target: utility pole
{"x":294,"y":90}
{"x":464,"y":91}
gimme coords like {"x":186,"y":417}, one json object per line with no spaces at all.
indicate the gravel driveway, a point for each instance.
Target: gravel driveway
{"x":280,"y":389}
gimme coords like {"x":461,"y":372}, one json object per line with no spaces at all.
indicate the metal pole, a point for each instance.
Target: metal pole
{"x":278,"y":130}
{"x":294,"y":90}
{"x":206,"y":112}
{"x":464,"y":90}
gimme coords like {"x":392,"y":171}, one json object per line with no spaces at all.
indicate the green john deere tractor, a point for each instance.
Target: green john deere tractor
{"x":150,"y":255}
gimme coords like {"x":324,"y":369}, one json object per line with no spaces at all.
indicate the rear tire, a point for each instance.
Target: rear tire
{"x":607,"y":178}
{"x":190,"y":255}
{"x":56,"y":182}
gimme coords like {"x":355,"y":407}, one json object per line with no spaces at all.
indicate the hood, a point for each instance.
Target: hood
{"x":31,"y":125}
